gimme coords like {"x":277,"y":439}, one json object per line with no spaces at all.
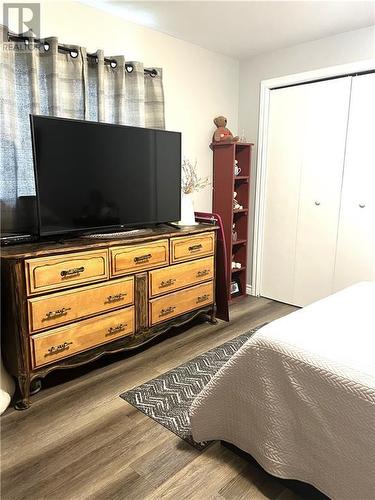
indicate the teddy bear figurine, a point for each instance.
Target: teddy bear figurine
{"x":222,"y":133}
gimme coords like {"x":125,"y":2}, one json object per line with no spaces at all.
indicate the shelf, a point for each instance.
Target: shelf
{"x":237,"y":296}
{"x":225,"y":182}
{"x":243,"y":144}
{"x":223,"y":144}
{"x":238,"y":145}
{"x":239,"y":242}
{"x":234,"y":271}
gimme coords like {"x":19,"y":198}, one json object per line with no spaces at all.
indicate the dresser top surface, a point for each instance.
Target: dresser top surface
{"x":41,"y":248}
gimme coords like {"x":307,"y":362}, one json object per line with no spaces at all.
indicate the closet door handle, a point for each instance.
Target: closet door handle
{"x":362,"y":205}
{"x":317,"y":203}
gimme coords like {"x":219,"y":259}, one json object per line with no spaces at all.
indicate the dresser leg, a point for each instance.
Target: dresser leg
{"x":212,"y":317}
{"x":24,"y":385}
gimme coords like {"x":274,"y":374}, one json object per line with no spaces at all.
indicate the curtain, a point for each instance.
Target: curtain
{"x":41,"y":79}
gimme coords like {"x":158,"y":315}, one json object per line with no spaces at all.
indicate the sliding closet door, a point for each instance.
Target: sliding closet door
{"x":326,"y":112}
{"x":284,"y":153}
{"x":355,"y":260}
{"x":305,"y":155}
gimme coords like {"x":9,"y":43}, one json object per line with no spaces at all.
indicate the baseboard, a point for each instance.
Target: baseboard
{"x":249,"y":289}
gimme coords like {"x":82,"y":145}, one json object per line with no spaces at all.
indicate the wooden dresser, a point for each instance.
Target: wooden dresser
{"x":68,"y":303}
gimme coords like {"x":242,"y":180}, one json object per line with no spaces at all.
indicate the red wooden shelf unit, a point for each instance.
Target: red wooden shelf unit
{"x":224,"y":185}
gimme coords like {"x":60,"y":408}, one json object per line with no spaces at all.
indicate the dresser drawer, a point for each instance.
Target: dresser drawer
{"x":64,"y":307}
{"x":133,"y":258}
{"x":177,"y":303}
{"x":65,"y":341}
{"x":50,"y":273}
{"x":179,"y":276}
{"x":191,"y":247}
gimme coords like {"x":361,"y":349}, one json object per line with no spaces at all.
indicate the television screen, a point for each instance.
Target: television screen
{"x":92,"y":176}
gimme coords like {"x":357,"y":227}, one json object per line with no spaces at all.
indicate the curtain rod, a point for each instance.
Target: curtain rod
{"x":326,"y":79}
{"x":74,"y":52}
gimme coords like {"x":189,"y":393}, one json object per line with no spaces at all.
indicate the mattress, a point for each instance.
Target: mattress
{"x":299,"y":396}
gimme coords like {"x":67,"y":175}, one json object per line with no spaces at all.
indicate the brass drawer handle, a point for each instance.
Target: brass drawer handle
{"x":57,"y":314}
{"x":116,"y":329}
{"x":166,"y":283}
{"x":115,"y":298}
{"x":142,"y":258}
{"x":204,"y":272}
{"x":58,"y":348}
{"x":202,"y":298}
{"x":72,"y":272}
{"x":195,"y":248}
{"x":168,"y":310}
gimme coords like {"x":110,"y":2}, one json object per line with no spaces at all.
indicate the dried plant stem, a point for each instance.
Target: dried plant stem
{"x":190,"y":182}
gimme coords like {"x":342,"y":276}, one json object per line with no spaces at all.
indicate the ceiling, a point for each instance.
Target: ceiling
{"x":246,"y":28}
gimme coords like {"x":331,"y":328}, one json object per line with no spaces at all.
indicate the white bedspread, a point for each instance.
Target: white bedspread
{"x":299,"y":396}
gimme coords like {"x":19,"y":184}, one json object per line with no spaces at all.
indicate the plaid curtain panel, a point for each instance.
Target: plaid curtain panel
{"x":44,"y":80}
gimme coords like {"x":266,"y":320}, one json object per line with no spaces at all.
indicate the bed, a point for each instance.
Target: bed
{"x":299,"y":396}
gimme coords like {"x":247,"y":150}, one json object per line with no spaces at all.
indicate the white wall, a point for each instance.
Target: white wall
{"x":339,"y":49}
{"x":198,"y":84}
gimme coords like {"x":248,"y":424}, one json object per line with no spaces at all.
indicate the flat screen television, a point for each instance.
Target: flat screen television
{"x":96,"y":177}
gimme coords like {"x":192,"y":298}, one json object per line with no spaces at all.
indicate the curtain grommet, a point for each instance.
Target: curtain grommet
{"x":113,"y":63}
{"x":74,"y":54}
{"x":46,"y":46}
{"x":129,"y":68}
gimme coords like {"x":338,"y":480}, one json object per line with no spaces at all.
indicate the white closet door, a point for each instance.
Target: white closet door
{"x":284,"y":158}
{"x":305,"y":154}
{"x":355,"y":259}
{"x":326,"y":111}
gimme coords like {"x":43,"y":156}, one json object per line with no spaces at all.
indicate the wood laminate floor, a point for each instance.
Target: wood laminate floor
{"x":80,"y":440}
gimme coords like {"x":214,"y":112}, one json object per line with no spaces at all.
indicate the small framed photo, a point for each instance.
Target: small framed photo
{"x":234,"y":288}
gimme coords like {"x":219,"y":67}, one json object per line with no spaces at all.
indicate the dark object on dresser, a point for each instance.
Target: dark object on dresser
{"x":69,"y":303}
{"x":15,"y":238}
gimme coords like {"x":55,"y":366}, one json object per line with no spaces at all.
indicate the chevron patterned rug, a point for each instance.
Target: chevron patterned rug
{"x":167,"y":399}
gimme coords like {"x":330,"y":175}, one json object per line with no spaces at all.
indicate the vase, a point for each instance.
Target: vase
{"x":187,"y":210}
